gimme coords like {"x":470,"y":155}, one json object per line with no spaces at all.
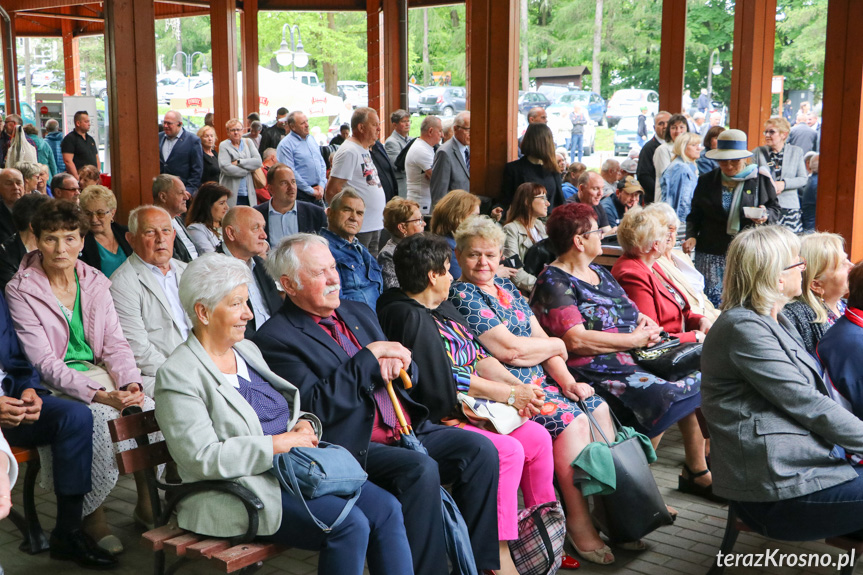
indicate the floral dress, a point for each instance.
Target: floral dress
{"x":561,"y":302}
{"x":484,"y":312}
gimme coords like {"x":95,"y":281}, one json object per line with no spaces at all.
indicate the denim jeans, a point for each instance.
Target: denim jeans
{"x":575,"y":145}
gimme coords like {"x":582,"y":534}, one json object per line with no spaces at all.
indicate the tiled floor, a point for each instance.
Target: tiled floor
{"x":689,"y":546}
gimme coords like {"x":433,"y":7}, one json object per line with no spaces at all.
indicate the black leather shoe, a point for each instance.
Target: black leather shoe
{"x":77,"y":546}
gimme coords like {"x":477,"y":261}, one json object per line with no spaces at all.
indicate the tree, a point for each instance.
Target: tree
{"x":597,"y":48}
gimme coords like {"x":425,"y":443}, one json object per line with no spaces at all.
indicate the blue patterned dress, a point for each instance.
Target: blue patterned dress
{"x":484,"y":312}
{"x":561,"y":302}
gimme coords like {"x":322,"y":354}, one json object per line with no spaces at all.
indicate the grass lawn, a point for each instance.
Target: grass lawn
{"x":604,"y":140}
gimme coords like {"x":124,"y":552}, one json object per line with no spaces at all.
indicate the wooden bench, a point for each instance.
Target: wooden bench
{"x":229,"y":555}
{"x":35,"y":540}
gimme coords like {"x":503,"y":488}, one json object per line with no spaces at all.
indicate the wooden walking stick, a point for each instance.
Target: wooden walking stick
{"x":406,"y":380}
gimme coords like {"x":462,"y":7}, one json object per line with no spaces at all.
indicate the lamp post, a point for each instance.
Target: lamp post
{"x":294,"y":54}
{"x":188,"y":60}
{"x":711,"y":70}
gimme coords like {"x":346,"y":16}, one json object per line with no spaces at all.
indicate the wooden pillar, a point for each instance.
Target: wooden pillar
{"x":10,"y":73}
{"x":395,"y":74}
{"x":223,"y":35}
{"x":467,"y":21}
{"x":752,"y":67}
{"x":493,"y":76}
{"x":130,"y":55}
{"x":375,"y":62}
{"x":840,"y":176}
{"x":71,"y":62}
{"x":672,"y":56}
{"x":249,"y":34}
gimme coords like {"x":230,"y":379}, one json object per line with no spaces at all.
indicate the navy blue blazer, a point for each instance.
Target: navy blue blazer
{"x":335,"y":387}
{"x":20,"y":374}
{"x":186,"y":160}
{"x":310,"y":218}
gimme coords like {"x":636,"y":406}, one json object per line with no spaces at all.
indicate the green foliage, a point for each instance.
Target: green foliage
{"x":447,"y":42}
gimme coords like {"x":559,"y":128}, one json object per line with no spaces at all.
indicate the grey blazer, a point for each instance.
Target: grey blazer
{"x":250,"y":160}
{"x":772,"y":423}
{"x":518,"y":241}
{"x":793,"y":173}
{"x":213,"y":433}
{"x":449,"y":172}
{"x":394,"y":145}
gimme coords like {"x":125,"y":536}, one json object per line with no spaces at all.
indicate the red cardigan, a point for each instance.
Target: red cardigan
{"x":653,"y":299}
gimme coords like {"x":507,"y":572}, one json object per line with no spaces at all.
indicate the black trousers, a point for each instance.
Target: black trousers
{"x":466,"y":461}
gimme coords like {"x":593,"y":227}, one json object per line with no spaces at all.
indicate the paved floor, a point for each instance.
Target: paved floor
{"x":689,"y":546}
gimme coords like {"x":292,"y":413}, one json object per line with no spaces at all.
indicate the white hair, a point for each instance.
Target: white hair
{"x":135,"y":216}
{"x":208,"y":279}
{"x":284,"y":259}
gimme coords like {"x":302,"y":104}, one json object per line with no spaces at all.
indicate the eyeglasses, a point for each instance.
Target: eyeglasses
{"x":415,"y":220}
{"x":770,"y":132}
{"x":68,"y":189}
{"x":100,"y":213}
{"x":801,"y":264}
{"x":541,"y":197}
{"x":463,"y":128}
{"x":599,"y":231}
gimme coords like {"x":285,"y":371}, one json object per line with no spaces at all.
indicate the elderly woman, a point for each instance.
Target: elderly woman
{"x":225,"y":415}
{"x":786,"y":167}
{"x":19,"y":244}
{"x":840,"y":348}
{"x":211,"y":172}
{"x":237,"y":160}
{"x":538,"y":164}
{"x":505,"y":325}
{"x":677,"y":124}
{"x":31,"y":172}
{"x":825,"y":284}
{"x":402,"y":219}
{"x":704,"y":163}
{"x":523,"y":228}
{"x":105,"y":245}
{"x":722,"y":206}
{"x":42,"y":182}
{"x":85,"y":360}
{"x":774,"y":431}
{"x":678,"y":267}
{"x":448,"y":214}
{"x":581,"y":303}
{"x":679,"y":179}
{"x":204,"y":218}
{"x":89,"y":176}
{"x":570,"y":176}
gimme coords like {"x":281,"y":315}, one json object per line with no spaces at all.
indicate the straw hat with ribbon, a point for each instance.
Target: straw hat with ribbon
{"x":730,"y":145}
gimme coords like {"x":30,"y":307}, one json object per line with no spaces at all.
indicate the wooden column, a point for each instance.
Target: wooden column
{"x":223,"y":34}
{"x":672,"y":56}
{"x":10,"y":73}
{"x":752,"y":67}
{"x":395,"y":77}
{"x":840,"y":177}
{"x":249,"y":35}
{"x":130,"y":56}
{"x":71,"y":62}
{"x":375,"y":62}
{"x":493,"y":77}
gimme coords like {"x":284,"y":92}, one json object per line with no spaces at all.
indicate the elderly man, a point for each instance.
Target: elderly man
{"x":401,"y":122}
{"x":353,"y":165}
{"x":170,"y":194}
{"x":451,"y":168}
{"x":610,"y":172}
{"x":802,"y":134}
{"x":697,"y":124}
{"x":447,"y":128}
{"x":283,"y":214}
{"x":360,"y":274}
{"x":65,"y":186}
{"x":622,"y":200}
{"x":646,"y":170}
{"x":334,"y":351}
{"x":418,"y":163}
{"x":244,"y":238}
{"x":11,"y":190}
{"x":272,"y":136}
{"x":54,"y":138}
{"x":180,"y":152}
{"x":79,"y":147}
{"x":534,"y":116}
{"x":628,"y":167}
{"x":590,"y":192}
{"x":145,"y":289}
{"x":299,"y":151}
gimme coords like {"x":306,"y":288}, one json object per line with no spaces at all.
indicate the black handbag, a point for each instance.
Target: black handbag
{"x":636,"y":507}
{"x":669,"y":359}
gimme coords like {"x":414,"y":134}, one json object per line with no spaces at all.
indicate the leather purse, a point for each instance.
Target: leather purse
{"x":669,"y":359}
{"x":490,"y":415}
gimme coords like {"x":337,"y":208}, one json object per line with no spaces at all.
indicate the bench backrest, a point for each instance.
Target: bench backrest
{"x":147,"y":455}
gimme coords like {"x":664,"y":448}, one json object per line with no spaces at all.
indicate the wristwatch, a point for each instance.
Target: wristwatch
{"x":511,"y":400}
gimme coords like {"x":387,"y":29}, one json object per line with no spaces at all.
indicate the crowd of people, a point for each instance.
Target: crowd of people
{"x":272,"y":288}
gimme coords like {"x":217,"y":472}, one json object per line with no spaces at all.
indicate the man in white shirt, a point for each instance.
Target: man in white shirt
{"x":353,"y":165}
{"x":146,"y":292}
{"x":170,"y":194}
{"x":418,"y":163}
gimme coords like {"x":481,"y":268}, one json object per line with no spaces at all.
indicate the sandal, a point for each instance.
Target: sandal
{"x":686,"y":484}
{"x":601,"y":556}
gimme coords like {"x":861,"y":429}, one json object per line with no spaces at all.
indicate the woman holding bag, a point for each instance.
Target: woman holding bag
{"x":225,"y":415}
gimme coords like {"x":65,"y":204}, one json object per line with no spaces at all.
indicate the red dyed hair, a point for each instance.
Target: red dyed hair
{"x":566,"y":222}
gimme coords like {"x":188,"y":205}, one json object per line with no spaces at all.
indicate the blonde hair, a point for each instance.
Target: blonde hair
{"x":680,"y":144}
{"x":451,"y":211}
{"x":233,"y":122}
{"x":823,"y":252}
{"x":482,"y":227}
{"x":398,"y":211}
{"x":780,"y":123}
{"x":639,"y":229}
{"x":91,"y":193}
{"x":664,"y":212}
{"x":756,"y":259}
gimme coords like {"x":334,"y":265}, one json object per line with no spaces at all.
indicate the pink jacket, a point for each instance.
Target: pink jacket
{"x":44,"y":332}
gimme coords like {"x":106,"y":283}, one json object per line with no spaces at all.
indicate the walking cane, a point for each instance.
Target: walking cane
{"x":406,"y":380}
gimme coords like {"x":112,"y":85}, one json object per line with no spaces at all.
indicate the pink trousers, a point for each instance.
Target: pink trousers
{"x":526,"y":461}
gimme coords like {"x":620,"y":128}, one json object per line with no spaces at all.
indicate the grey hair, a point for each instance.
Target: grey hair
{"x":665,"y":212}
{"x":284,"y":259}
{"x":52,"y":125}
{"x":28,"y":169}
{"x":478,"y":227}
{"x":162,"y":183}
{"x":256,"y":125}
{"x":428,"y":123}
{"x":208,"y":279}
{"x":292,"y":118}
{"x":135,"y":216}
{"x":460,"y":118}
{"x":360,"y":116}
{"x":346,"y":193}
{"x":268,"y":152}
{"x":398,"y":116}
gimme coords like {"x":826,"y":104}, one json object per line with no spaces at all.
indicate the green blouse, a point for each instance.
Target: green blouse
{"x":110,"y":261}
{"x":78,"y":349}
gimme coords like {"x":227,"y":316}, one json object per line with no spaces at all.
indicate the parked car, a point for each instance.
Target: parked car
{"x":355,"y":92}
{"x":528,"y":100}
{"x":626,"y":135}
{"x":561,"y":129}
{"x":628,"y":103}
{"x":28,"y":114}
{"x":443,"y":100}
{"x":414,"y":91}
{"x":590,"y":101}
{"x":554,"y":91}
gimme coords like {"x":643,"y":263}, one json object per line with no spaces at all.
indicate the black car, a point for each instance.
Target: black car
{"x":443,"y":100}
{"x":528,"y":100}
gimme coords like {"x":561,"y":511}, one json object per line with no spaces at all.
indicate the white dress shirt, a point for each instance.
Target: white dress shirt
{"x":171,"y":288}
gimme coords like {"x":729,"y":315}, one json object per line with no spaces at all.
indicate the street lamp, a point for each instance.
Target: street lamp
{"x":188,"y":60}
{"x":713,"y":69}
{"x":294,"y":54}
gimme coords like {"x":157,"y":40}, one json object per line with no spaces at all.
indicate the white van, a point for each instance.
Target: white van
{"x":307,"y":78}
